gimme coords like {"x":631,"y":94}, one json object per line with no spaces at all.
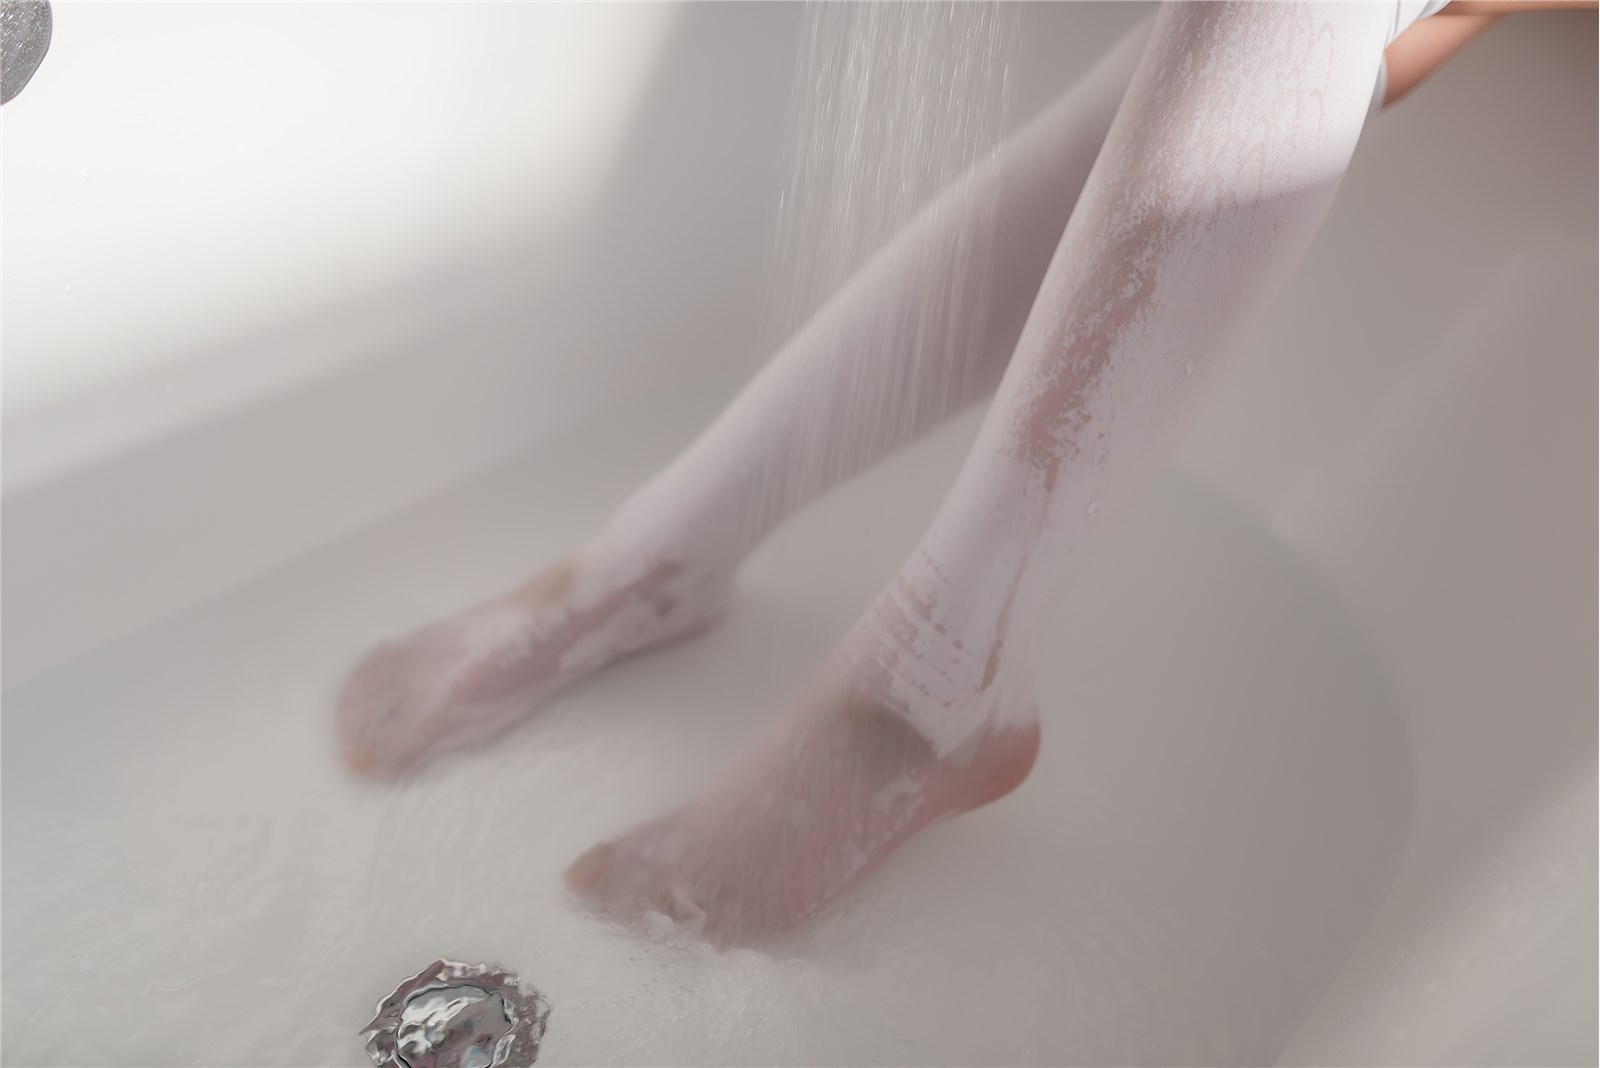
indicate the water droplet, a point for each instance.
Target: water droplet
{"x":238,"y":148}
{"x":1188,"y":369}
{"x":84,"y":173}
{"x":1094,"y":506}
{"x":67,"y":288}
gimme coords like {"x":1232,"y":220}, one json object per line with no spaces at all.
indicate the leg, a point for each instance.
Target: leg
{"x":846,"y":391}
{"x":1214,"y":177}
{"x":1425,"y":46}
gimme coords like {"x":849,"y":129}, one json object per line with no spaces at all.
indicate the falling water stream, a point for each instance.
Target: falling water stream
{"x":894,"y":111}
{"x":892,"y":104}
{"x":190,"y":878}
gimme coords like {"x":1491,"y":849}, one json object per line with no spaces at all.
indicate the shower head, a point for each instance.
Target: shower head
{"x":24,"y":39}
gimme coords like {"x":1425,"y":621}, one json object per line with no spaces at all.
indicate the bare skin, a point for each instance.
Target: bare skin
{"x":849,"y":773}
{"x":745,"y":474}
{"x":394,"y":714}
{"x":472,"y":675}
{"x":843,"y":781}
{"x":926,"y":710}
{"x":1513,"y":7}
{"x":1426,"y":45}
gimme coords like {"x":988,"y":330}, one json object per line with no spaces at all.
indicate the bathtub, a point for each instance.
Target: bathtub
{"x":1319,"y":775}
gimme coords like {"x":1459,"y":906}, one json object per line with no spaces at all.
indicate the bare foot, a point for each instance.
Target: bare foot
{"x":839,"y":784}
{"x":474,"y":674}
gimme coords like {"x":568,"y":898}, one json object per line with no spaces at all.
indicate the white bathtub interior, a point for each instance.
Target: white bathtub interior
{"x":1319,"y":772}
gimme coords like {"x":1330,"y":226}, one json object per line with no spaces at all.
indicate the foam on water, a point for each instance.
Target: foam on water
{"x":191,"y":877}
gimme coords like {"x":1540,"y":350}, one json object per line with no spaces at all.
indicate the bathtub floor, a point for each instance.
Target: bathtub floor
{"x":189,"y":876}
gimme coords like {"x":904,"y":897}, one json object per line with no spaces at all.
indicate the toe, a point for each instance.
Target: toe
{"x":591,"y":874}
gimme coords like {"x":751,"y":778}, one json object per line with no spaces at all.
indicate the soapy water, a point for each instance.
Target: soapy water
{"x":196,"y":880}
{"x":190,"y":877}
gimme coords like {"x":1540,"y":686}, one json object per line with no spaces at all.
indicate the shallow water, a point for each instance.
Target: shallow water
{"x":191,"y":877}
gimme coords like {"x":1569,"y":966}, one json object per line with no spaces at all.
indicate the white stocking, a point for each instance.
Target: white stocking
{"x":1218,"y":171}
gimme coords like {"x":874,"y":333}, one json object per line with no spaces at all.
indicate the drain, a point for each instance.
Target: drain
{"x":454,"y":1015}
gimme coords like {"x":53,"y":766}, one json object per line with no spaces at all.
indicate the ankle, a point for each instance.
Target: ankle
{"x":552,"y":585}
{"x":965,"y":753}
{"x":635,"y":542}
{"x":960,"y":692}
